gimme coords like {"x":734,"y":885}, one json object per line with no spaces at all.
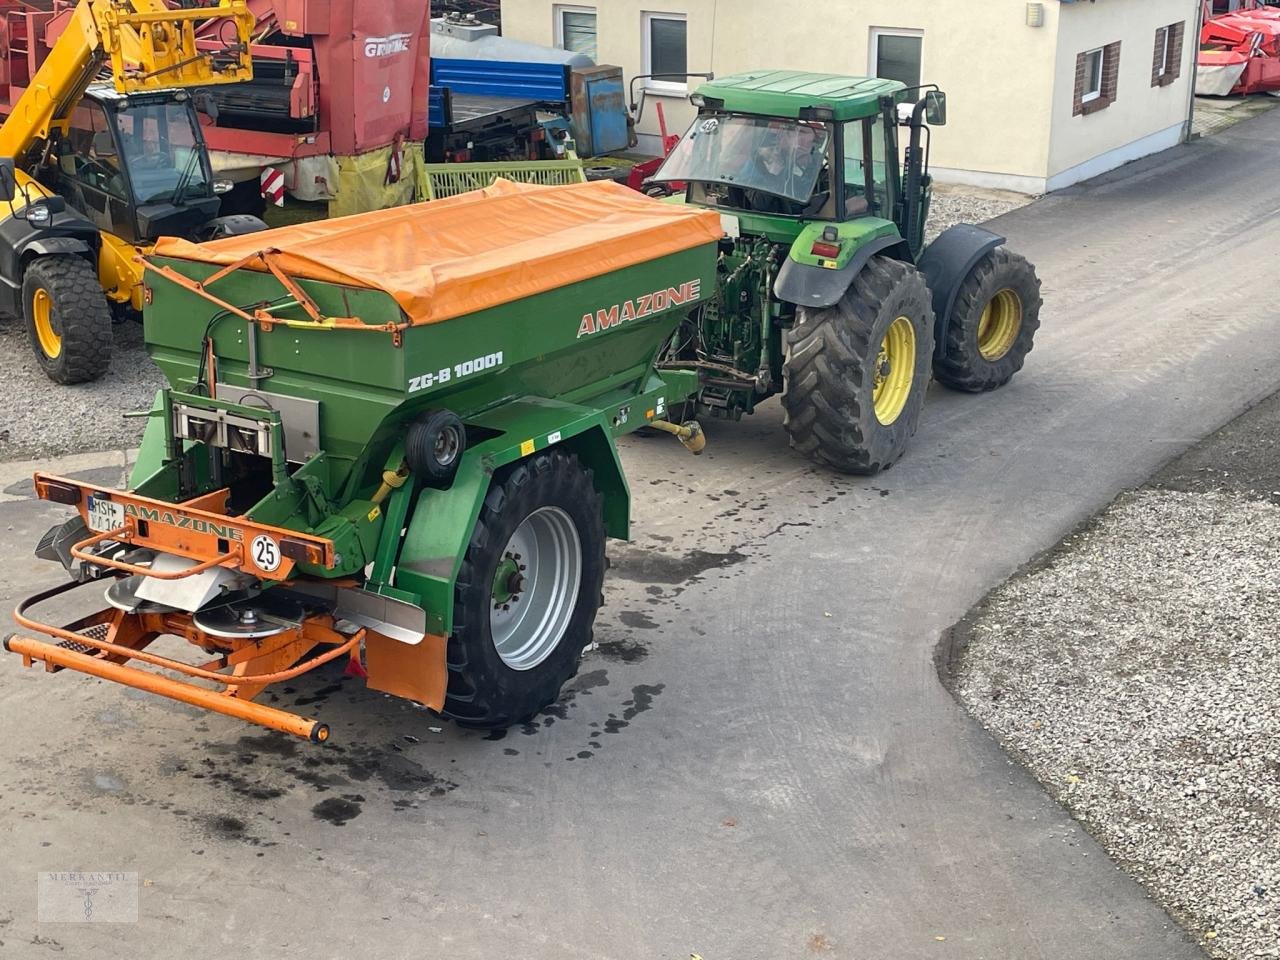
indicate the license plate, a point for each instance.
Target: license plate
{"x":105,"y":515}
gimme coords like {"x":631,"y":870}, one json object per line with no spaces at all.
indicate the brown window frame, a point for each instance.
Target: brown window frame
{"x":1108,"y":81}
{"x":1166,"y":59}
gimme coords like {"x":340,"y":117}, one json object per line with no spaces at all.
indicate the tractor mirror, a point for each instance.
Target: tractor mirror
{"x":8,"y":180}
{"x":935,"y":108}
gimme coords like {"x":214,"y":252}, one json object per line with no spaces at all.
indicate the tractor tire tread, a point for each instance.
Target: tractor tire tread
{"x":960,"y":365}
{"x":828,"y":353}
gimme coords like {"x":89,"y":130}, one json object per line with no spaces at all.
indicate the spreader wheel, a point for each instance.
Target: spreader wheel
{"x":434,"y":446}
{"x":855,"y":374}
{"x":993,"y":324}
{"x":68,"y":319}
{"x":527,"y":593}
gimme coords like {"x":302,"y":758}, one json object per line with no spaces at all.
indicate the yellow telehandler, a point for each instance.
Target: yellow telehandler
{"x":102,"y":154}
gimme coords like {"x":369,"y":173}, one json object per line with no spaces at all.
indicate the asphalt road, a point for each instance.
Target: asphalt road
{"x":759,"y":761}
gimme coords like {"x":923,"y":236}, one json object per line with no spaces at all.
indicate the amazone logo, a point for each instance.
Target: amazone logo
{"x":153,"y":515}
{"x":644,"y":306}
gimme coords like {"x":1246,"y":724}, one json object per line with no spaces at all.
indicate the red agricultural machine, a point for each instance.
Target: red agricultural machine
{"x":1239,"y":50}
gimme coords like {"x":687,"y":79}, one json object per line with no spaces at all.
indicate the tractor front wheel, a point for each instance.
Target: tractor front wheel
{"x":527,"y":593}
{"x":68,"y":319}
{"x":993,"y":324}
{"x":855,"y":374}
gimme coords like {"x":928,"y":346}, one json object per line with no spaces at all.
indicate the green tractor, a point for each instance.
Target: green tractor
{"x":826,"y":291}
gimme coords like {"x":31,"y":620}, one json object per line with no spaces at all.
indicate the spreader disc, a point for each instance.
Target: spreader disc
{"x":123,"y":595}
{"x":260,"y":617}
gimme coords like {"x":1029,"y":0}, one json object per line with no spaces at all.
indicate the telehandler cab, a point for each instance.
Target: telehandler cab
{"x":826,"y":291}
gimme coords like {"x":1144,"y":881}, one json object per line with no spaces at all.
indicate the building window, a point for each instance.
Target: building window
{"x":1097,"y":79}
{"x":576,"y":30}
{"x":896,"y":55}
{"x":1166,"y":62}
{"x":1092,"y":76}
{"x":666,"y":51}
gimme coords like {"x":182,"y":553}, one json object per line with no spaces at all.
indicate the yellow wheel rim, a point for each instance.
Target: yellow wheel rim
{"x":895,"y":371}
{"x":42,"y":318}
{"x":1000,"y":324}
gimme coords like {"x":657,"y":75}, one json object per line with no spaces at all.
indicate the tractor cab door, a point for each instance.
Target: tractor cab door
{"x":91,"y":174}
{"x":869,"y":183}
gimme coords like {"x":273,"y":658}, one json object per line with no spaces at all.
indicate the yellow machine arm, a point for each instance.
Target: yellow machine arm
{"x":148,"y":46}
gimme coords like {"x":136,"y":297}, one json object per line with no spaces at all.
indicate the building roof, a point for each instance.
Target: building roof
{"x":784,"y":93}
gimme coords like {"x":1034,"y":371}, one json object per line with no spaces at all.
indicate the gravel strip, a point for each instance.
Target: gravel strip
{"x":954,"y":204}
{"x":40,"y":418}
{"x":1135,"y":674}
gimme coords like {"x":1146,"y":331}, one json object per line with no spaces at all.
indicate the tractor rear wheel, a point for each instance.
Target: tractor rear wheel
{"x":993,"y":324}
{"x":855,"y":374}
{"x":68,"y":319}
{"x":527,"y":593}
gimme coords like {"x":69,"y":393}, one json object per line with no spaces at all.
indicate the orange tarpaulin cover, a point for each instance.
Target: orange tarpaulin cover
{"x":456,"y":256}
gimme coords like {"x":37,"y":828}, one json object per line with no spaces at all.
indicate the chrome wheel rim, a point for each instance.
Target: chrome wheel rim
{"x":448,"y":443}
{"x":535,"y":588}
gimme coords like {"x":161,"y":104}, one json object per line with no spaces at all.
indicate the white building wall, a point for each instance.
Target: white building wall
{"x":1144,"y":119}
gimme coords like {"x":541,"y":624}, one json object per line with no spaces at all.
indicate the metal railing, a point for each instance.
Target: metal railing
{"x":450,"y":179}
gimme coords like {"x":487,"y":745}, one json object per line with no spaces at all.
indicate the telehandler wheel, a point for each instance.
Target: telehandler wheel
{"x":855,"y":374}
{"x":993,"y":324}
{"x":68,"y":319}
{"x":527,"y":593}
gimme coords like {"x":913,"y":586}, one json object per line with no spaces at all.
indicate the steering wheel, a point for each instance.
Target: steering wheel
{"x":816,"y":203}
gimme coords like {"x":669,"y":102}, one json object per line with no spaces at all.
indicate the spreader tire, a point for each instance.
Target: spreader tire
{"x":434,"y":445}
{"x":68,"y":320}
{"x":855,"y":374}
{"x":993,"y":325}
{"x":539,"y":537}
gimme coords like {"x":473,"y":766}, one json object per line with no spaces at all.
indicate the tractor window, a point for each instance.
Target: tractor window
{"x":766,"y":164}
{"x":866,"y":175}
{"x":161,"y":152}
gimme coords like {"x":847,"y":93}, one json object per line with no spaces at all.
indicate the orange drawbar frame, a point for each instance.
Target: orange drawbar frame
{"x":103,"y":644}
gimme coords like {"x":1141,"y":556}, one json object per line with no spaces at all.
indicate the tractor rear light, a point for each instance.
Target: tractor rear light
{"x":59,"y":492}
{"x":828,"y":251}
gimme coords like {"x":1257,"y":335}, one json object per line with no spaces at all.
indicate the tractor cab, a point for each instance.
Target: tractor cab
{"x":136,"y":166}
{"x":807,"y":147}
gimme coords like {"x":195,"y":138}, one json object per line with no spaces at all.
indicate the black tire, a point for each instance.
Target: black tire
{"x":483,"y":690}
{"x":434,"y":446}
{"x":830,"y":367}
{"x":78,"y":316}
{"x":963,"y":364}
